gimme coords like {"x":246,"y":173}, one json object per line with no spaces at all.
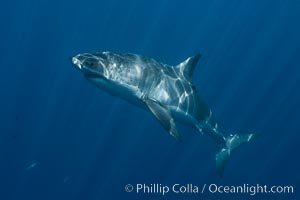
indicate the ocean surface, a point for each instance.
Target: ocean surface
{"x":62,"y":138}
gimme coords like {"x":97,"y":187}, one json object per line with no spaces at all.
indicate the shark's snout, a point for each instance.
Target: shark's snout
{"x":89,"y":65}
{"x":76,"y":62}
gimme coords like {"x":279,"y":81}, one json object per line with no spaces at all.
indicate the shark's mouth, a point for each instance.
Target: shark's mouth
{"x":90,"y":73}
{"x":93,"y":75}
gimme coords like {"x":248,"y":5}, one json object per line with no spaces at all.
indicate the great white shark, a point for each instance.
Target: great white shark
{"x":165,"y":91}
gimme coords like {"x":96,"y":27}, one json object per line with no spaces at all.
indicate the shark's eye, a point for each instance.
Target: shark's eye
{"x":91,"y":63}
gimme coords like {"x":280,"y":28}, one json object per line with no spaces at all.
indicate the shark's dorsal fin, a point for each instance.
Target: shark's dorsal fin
{"x":187,"y":67}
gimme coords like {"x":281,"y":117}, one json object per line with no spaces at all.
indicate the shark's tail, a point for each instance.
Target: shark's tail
{"x":231,"y":143}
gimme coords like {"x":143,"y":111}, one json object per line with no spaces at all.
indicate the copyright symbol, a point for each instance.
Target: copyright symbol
{"x":129,"y":188}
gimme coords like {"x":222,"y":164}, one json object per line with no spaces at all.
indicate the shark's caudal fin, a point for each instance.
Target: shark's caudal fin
{"x":232,"y":142}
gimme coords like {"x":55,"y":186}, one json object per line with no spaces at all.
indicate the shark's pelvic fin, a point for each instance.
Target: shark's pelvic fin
{"x":187,"y":67}
{"x":164,"y":116}
{"x":232,"y":142}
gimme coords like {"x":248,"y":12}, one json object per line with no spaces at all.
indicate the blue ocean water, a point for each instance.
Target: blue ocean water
{"x":62,"y":138}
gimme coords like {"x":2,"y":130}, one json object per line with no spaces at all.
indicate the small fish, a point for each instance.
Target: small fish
{"x":32,"y":165}
{"x":66,"y":179}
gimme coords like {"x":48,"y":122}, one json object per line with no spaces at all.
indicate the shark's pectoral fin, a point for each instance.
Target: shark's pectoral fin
{"x":164,"y":116}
